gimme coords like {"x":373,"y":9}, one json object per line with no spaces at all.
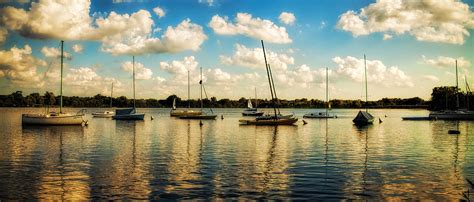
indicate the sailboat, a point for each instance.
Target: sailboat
{"x":54,"y":118}
{"x":277,"y":118}
{"x":129,"y":113}
{"x":177,"y":113}
{"x":364,"y":117}
{"x":322,"y":115}
{"x":106,"y":114}
{"x":202,"y":115}
{"x":251,"y":111}
{"x":457,"y":114}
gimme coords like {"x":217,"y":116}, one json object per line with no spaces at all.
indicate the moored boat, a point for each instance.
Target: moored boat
{"x":177,"y":113}
{"x":53,"y":118}
{"x":457,"y":114}
{"x":417,"y":118}
{"x":103,"y":114}
{"x":202,"y":114}
{"x":322,"y":115}
{"x":250,"y":110}
{"x":129,"y":113}
{"x":270,"y":122}
{"x":452,"y":115}
{"x":277,"y":118}
{"x":364,"y":118}
{"x":106,"y":114}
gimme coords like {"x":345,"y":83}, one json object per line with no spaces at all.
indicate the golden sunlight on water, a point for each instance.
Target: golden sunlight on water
{"x":169,"y":158}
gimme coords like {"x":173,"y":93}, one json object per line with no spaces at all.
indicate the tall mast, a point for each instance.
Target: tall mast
{"x":111,"y":93}
{"x":200,"y":82}
{"x":256,"y":100}
{"x":467,"y":92}
{"x":274,"y":89}
{"x":327,"y":101}
{"x":457,"y":86}
{"x":61,"y":88}
{"x":133,"y":65}
{"x":365,"y":70}
{"x":189,"y":102}
{"x":269,"y":81}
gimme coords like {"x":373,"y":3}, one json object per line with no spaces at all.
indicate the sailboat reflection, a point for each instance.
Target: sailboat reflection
{"x":326,"y":150}
{"x":364,"y":131}
{"x":182,"y":171}
{"x":127,"y":175}
{"x":61,"y":176}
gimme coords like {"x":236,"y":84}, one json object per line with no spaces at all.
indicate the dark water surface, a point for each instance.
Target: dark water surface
{"x":177,"y":159}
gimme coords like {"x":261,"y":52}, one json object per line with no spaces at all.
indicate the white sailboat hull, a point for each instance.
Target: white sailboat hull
{"x":106,"y":114}
{"x":319,"y":115}
{"x":452,"y":115}
{"x":178,"y":113}
{"x":60,"y":119}
{"x":251,"y":112}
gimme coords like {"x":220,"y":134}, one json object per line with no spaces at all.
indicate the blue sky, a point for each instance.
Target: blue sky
{"x":408,"y":52}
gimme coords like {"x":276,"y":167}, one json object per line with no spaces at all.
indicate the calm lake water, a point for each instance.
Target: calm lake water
{"x":169,"y":158}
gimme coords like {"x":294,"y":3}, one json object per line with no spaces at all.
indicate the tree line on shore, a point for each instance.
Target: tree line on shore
{"x":442,"y":98}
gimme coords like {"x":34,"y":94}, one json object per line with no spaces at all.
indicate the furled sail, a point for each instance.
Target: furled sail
{"x":174,"y":104}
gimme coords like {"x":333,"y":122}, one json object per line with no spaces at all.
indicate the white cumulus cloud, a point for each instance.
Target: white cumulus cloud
{"x":141,"y":72}
{"x":52,"y":52}
{"x":443,"y":61}
{"x":180,"y":67}
{"x":3,"y":34}
{"x":185,"y":36}
{"x":431,"y":78}
{"x":445,"y":21}
{"x":246,"y":25}
{"x":77,"y":48}
{"x":159,"y":12}
{"x":20,"y":67}
{"x":119,"y":33}
{"x":287,"y":18}
{"x":86,"y":81}
{"x":302,"y":76}
{"x":253,"y":57}
{"x":353,"y":68}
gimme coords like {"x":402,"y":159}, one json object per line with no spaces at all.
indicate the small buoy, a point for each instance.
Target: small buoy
{"x":200,"y":123}
{"x":380,"y":120}
{"x":304,"y":122}
{"x":454,"y":132}
{"x":222,"y":117}
{"x":385,"y":115}
{"x":152,"y":118}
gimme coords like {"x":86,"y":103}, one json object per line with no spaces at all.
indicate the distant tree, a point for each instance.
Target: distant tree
{"x":49,"y":98}
{"x":443,"y":98}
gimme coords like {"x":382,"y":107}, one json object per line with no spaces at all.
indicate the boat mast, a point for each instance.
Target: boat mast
{"x":189,"y":102}
{"x":200,"y":82}
{"x":274,"y":90}
{"x":468,"y":92}
{"x":365,"y":70}
{"x":61,"y":88}
{"x":111,"y":93}
{"x":457,"y":86}
{"x":256,"y":100}
{"x":269,"y":81}
{"x":133,"y":65}
{"x":327,"y":101}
